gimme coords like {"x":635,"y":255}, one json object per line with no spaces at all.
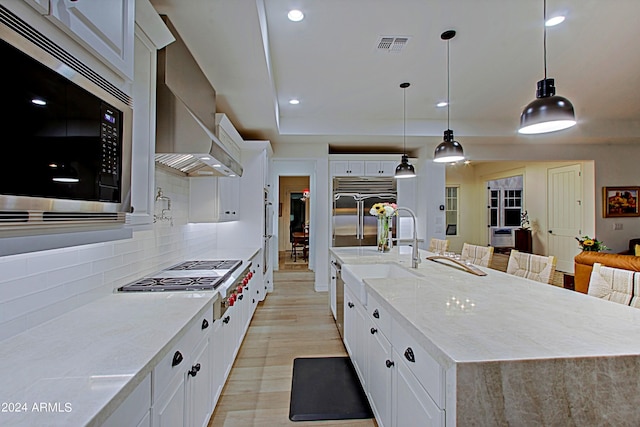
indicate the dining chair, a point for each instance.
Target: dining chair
{"x":535,"y":267}
{"x":477,"y":255}
{"x":438,"y":245}
{"x":613,"y":284}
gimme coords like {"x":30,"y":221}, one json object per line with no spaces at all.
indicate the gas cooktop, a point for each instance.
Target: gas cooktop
{"x":187,"y":276}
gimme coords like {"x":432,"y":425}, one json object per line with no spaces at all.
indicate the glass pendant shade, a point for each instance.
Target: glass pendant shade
{"x":548,"y":112}
{"x":449,"y":150}
{"x":405,"y":169}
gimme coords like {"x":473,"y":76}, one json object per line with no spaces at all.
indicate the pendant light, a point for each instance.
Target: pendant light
{"x":404,"y":169}
{"x":448,"y":150}
{"x":548,"y":112}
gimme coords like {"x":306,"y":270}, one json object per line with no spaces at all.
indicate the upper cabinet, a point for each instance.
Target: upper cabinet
{"x":363,"y":167}
{"x":105,"y":28}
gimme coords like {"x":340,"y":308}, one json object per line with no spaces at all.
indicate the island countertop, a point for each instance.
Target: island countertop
{"x":490,"y":329}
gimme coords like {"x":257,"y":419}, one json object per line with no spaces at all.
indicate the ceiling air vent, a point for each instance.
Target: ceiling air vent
{"x":393,"y":44}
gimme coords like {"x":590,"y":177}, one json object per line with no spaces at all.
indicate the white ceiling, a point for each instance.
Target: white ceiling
{"x":349,"y":92}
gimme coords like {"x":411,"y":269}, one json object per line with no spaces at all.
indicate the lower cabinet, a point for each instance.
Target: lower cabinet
{"x":198,"y":387}
{"x":395,"y":372}
{"x":134,"y":410}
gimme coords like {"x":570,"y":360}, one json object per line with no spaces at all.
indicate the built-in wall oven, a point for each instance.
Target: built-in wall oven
{"x":268,"y":232}
{"x":69,"y":130}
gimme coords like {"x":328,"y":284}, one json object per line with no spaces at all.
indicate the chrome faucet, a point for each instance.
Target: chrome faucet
{"x":415,"y":254}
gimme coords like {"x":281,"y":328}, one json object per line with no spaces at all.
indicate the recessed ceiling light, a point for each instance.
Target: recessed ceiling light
{"x":295,"y":15}
{"x":205,"y":158}
{"x":294,"y":101}
{"x":441,"y":104}
{"x":216,"y":165}
{"x":554,"y":21}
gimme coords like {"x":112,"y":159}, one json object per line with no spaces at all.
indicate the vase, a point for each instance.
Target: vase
{"x":383,"y":234}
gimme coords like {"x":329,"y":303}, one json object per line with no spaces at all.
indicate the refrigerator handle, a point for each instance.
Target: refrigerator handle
{"x":358,"y":219}
{"x":361,"y":218}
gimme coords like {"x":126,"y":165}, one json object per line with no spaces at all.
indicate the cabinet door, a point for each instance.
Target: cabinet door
{"x":356,"y":168}
{"x":388,"y":167}
{"x":228,"y":198}
{"x":349,"y":329}
{"x":380,"y":368}
{"x":199,"y":387}
{"x":339,"y":167}
{"x":332,"y":291}
{"x":169,"y":410}
{"x":218,"y":368}
{"x":412,"y":405}
{"x":106,"y":28}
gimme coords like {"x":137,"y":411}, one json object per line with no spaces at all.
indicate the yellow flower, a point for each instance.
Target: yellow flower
{"x":588,"y":242}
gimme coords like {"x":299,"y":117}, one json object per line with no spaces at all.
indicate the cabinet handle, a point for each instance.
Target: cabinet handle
{"x":226,"y":319}
{"x":177,"y":358}
{"x":373,"y":331}
{"x":376,"y":314}
{"x":350,"y":304}
{"x":408,"y":353}
{"x":253,"y":301}
{"x":194,"y":370}
{"x":389,"y":363}
{"x":240,"y":297}
{"x":205,"y":324}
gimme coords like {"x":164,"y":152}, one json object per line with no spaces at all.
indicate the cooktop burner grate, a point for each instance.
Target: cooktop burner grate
{"x":208,"y":265}
{"x":174,"y":284}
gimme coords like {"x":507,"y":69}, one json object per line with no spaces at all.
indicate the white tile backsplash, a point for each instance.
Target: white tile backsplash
{"x":36,"y":287}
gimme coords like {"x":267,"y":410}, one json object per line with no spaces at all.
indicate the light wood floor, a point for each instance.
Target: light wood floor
{"x":293,"y":321}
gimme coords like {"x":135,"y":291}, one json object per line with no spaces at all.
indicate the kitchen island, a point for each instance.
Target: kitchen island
{"x":505,"y":350}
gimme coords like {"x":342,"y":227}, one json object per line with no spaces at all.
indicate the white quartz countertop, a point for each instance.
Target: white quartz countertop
{"x":460,"y":317}
{"x":87,"y":361}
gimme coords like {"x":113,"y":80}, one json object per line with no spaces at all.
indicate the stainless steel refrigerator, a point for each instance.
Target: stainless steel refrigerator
{"x":353,"y":198}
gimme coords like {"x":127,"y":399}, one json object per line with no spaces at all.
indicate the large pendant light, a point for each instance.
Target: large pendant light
{"x":448,"y":150}
{"x":404,"y":169}
{"x":548,"y":112}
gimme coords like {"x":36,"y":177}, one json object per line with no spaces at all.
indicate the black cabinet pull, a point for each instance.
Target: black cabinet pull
{"x":350,"y":304}
{"x":205,"y":323}
{"x":253,"y":301}
{"x":194,"y":370}
{"x":408,"y":353}
{"x":389,"y":363}
{"x":373,"y":331}
{"x":177,"y":358}
{"x":376,"y":314}
{"x":226,"y":319}
{"x":240,"y":297}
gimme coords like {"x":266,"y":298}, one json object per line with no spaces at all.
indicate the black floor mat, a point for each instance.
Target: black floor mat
{"x":326,"y":388}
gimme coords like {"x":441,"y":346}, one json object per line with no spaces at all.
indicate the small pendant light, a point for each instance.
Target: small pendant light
{"x":404,"y":169}
{"x":548,"y":112}
{"x":449,"y":150}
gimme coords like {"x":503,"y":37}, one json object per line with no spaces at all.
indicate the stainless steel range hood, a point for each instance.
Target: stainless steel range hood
{"x":186,"y":140}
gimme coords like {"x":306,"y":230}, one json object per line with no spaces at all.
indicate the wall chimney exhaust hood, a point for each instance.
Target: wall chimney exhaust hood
{"x":186,"y":126}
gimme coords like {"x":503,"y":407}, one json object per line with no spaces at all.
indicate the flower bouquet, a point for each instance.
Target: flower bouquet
{"x":384,"y":212}
{"x":588,"y":244}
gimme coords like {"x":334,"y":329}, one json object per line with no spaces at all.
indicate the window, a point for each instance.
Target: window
{"x":512,"y":207}
{"x":451,"y":210}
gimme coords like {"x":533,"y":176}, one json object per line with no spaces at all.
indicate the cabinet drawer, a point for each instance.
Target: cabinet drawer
{"x":425,"y":368}
{"x":177,"y":360}
{"x":379,"y":314}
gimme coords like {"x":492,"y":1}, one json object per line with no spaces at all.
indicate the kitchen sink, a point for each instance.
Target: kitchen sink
{"x":354,"y":274}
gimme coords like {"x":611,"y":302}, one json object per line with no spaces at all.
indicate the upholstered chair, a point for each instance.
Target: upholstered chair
{"x":477,"y":255}
{"x":535,"y":267}
{"x":613,"y":284}
{"x":438,"y":245}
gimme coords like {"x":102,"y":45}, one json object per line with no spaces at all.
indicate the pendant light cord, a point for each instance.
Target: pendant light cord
{"x":404,"y":121}
{"x":544,"y":42}
{"x":448,"y":103}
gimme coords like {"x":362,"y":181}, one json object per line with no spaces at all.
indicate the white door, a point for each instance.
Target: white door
{"x":564,"y":211}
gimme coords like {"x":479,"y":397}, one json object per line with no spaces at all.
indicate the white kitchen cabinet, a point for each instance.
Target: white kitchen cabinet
{"x":355,"y":336}
{"x":228,"y":198}
{"x":380,"y":369}
{"x":182,"y":378}
{"x":347,"y":167}
{"x":134,"y":410}
{"x":198,"y":387}
{"x":216,"y":354}
{"x":214,"y":199}
{"x":411,"y":403}
{"x":380,"y":168}
{"x":333,"y":300}
{"x":105,"y":28}
{"x":41,"y":6}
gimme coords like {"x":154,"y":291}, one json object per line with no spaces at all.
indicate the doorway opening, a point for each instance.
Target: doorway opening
{"x":293,"y":215}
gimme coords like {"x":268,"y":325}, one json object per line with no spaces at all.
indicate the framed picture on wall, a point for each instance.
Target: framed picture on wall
{"x":620,"y":201}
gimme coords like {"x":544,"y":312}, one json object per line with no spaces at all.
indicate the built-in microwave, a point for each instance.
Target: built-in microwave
{"x":69,"y":135}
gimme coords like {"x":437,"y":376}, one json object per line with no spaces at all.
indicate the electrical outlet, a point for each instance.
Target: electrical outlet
{"x":617,"y":226}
